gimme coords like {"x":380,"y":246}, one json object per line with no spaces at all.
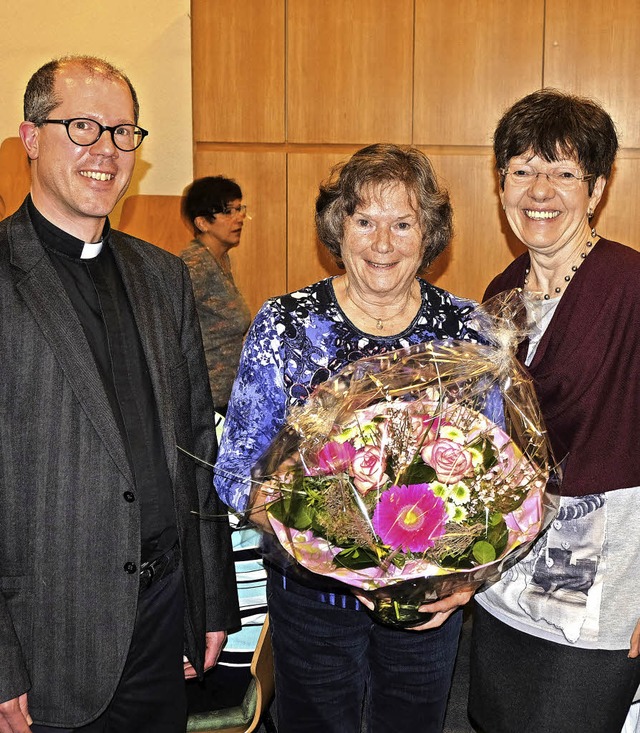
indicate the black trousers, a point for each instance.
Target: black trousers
{"x":523,"y":684}
{"x":150,"y":697}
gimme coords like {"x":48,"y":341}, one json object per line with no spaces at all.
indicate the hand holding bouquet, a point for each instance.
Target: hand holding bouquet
{"x":414,"y":473}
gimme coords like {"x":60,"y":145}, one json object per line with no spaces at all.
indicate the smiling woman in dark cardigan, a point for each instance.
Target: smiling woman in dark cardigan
{"x":556,"y":640}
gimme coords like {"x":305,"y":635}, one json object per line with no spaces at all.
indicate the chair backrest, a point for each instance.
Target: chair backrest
{"x":262,"y":672}
{"x":246,"y":717}
{"x":156,"y":219}
{"x":15,"y":176}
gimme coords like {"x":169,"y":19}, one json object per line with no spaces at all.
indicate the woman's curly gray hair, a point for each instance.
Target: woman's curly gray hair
{"x":382,"y":165}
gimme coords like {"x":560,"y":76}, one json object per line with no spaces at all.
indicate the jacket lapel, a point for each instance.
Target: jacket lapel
{"x":46,"y":298}
{"x":150,"y":310}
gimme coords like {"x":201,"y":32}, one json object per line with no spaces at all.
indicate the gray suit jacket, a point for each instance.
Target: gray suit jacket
{"x":67,"y":605}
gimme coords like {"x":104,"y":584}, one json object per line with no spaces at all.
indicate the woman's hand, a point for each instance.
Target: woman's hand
{"x":257,"y":512}
{"x":634,"y":646}
{"x":440,"y":609}
{"x":269,"y":490}
{"x":443,"y":608}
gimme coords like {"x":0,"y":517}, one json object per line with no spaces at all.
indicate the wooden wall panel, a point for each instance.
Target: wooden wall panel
{"x":238,"y":51}
{"x":473,"y":58}
{"x":591,"y":48}
{"x":285,"y":88}
{"x":156,"y":219}
{"x":618,"y":216}
{"x":308,"y":260}
{"x":480,"y":248}
{"x":349,"y":71}
{"x":259,"y":262}
{"x":15,"y":175}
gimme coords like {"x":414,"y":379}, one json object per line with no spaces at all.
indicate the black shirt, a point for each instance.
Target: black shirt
{"x":98,"y":295}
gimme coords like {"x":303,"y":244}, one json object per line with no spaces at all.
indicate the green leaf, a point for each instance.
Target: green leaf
{"x":277,"y":509}
{"x":489,"y":457}
{"x":417,"y":473}
{"x":356,"y":558}
{"x":460,"y":560}
{"x":498,"y":533}
{"x":483,"y":552}
{"x":292,"y":512}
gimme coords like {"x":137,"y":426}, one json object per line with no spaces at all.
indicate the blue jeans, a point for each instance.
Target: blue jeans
{"x":328,"y":660}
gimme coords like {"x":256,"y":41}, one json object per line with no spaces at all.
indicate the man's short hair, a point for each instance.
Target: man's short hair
{"x":40,"y":98}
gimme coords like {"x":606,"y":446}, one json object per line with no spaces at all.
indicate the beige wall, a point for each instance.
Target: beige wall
{"x":148,"y":39}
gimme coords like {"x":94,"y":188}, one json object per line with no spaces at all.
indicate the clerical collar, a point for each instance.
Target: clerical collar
{"x":62,"y":242}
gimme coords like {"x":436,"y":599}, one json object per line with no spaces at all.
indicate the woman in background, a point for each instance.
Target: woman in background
{"x":556,"y":641}
{"x":213,"y":206}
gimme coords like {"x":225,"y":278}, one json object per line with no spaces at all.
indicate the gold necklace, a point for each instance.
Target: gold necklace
{"x":567,"y":278}
{"x":379,"y":321}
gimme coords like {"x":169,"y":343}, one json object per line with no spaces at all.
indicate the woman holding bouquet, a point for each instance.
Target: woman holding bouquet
{"x":384,"y":218}
{"x":556,"y":640}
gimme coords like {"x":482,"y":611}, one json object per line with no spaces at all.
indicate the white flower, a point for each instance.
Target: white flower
{"x":439,"y":489}
{"x":459,"y":493}
{"x":451,"y":432}
{"x":456,"y":513}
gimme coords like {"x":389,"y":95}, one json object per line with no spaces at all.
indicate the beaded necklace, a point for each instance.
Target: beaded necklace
{"x":567,"y":278}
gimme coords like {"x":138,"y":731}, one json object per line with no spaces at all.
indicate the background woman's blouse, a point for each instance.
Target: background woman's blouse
{"x":224,"y":318}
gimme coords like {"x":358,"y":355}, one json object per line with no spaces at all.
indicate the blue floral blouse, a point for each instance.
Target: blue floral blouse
{"x":296,"y":342}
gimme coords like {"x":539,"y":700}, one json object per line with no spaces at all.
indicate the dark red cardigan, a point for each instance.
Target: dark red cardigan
{"x":586,"y":370}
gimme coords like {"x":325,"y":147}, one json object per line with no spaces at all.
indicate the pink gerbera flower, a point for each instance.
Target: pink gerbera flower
{"x":410,"y":518}
{"x":335,"y":457}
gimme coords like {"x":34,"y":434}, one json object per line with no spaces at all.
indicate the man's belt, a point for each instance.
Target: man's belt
{"x":154,"y":570}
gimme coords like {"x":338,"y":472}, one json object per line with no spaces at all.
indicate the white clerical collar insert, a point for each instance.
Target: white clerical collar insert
{"x":91,"y":250}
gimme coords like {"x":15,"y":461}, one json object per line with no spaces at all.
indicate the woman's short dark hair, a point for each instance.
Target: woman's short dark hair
{"x":207,"y":197}
{"x":554,"y":125}
{"x":381,"y":165}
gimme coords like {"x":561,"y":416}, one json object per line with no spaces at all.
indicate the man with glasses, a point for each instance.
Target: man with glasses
{"x":115,"y":557}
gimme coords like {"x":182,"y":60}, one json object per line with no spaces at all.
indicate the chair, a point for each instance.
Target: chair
{"x":156,"y":219}
{"x":15,"y":176}
{"x":247,"y":716}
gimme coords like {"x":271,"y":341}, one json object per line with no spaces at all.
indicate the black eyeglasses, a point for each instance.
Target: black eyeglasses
{"x":83,"y":131}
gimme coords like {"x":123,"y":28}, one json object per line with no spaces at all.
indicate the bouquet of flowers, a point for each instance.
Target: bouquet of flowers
{"x":417,"y":472}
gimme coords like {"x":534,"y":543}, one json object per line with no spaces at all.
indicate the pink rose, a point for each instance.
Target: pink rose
{"x":450,"y":460}
{"x":424,"y":428}
{"x":367,"y":469}
{"x":335,"y":457}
